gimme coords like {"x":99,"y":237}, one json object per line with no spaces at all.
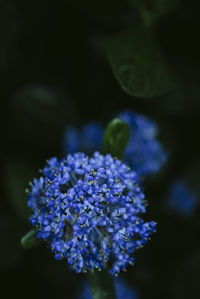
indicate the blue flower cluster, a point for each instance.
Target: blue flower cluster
{"x":122,"y":290}
{"x":87,"y":209}
{"x":143,"y":153}
{"x":181,"y":198}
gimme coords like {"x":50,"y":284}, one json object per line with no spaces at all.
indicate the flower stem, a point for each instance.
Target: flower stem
{"x":101,"y":285}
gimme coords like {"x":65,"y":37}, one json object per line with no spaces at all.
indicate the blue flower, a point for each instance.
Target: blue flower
{"x":88,"y":139}
{"x":122,"y":290}
{"x":143,"y":153}
{"x":181,"y":198}
{"x":88,"y":210}
{"x":72,"y":140}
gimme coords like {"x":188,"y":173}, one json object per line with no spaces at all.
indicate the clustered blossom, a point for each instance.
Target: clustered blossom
{"x":88,"y":210}
{"x":143,"y":153}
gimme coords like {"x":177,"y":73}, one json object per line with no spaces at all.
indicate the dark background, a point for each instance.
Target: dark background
{"x":54,"y":72}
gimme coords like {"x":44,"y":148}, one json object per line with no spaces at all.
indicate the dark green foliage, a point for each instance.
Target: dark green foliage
{"x":151,"y":10}
{"x":16,"y":183}
{"x":139,"y":64}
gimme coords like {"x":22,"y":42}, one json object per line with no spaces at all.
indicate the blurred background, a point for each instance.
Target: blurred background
{"x":69,"y":62}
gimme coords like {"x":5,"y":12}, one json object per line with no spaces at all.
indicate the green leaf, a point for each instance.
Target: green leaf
{"x":30,"y":240}
{"x":139,"y":64}
{"x":115,"y":138}
{"x":18,"y":173}
{"x":151,"y":10}
{"x":101,"y":285}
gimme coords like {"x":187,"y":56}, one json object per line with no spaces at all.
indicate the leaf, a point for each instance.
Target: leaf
{"x":30,"y":240}
{"x":18,"y":173}
{"x":138,"y":64}
{"x":115,"y":138}
{"x":151,"y":10}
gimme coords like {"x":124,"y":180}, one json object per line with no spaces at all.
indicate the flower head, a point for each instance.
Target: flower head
{"x":143,"y":153}
{"x":88,"y":210}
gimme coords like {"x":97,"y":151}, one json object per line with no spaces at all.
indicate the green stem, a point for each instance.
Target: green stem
{"x":101,"y":285}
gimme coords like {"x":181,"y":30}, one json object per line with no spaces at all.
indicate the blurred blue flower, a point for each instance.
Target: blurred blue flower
{"x":122,"y":290}
{"x":143,"y":153}
{"x":88,"y":139}
{"x":71,"y":140}
{"x":181,"y":198}
{"x":88,"y":210}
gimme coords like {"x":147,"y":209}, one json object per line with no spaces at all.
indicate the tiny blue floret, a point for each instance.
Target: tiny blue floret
{"x":89,"y":211}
